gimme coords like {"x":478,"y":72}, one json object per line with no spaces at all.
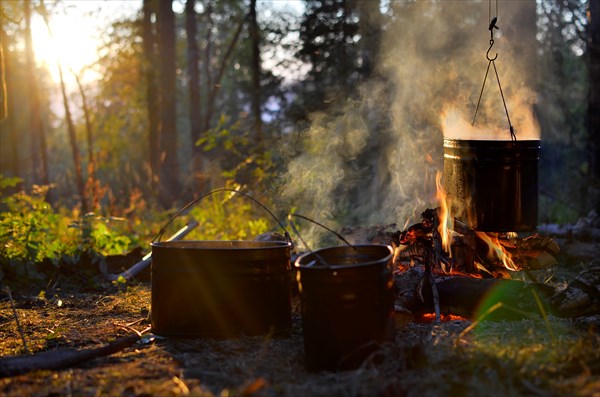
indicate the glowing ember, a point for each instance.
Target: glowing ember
{"x":430,"y":317}
{"x":497,"y":250}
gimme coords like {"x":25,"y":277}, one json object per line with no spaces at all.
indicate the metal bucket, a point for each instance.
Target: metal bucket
{"x":347,"y":304}
{"x":220,"y":288}
{"x":493,"y":185}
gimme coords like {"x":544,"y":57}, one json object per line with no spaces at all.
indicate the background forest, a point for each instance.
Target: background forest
{"x":333,"y":108}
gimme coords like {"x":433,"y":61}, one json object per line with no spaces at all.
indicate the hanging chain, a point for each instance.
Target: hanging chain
{"x":491,"y":61}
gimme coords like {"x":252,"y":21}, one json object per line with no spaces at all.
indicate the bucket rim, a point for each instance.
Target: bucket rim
{"x":221,"y":245}
{"x":491,"y":143}
{"x":382,"y":260}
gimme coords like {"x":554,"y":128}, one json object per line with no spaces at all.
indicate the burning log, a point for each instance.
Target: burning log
{"x":472,"y":252}
{"x":470,"y":297}
{"x":475,"y":276}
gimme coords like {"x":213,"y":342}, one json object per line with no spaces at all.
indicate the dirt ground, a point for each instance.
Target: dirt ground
{"x":457,"y":357}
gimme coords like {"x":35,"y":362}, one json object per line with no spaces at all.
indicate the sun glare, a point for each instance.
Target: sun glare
{"x":71,"y":44}
{"x":75,"y":34}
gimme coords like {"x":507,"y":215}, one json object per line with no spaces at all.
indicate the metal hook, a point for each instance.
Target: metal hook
{"x":493,"y":24}
{"x":487,"y":54}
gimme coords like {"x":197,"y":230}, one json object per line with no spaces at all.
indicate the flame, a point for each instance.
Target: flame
{"x":497,"y":250}
{"x":444,"y":215}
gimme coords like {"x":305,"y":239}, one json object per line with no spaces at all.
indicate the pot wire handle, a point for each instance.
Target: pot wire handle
{"x":319,"y":257}
{"x":318,"y":224}
{"x":491,"y":62}
{"x":224,"y":189}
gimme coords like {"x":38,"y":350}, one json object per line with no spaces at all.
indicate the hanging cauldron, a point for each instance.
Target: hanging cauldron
{"x":493,"y":185}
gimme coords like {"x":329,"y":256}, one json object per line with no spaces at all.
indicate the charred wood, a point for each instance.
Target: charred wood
{"x":469,"y":297}
{"x":469,"y":253}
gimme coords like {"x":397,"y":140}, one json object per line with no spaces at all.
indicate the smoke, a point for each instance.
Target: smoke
{"x":374,"y":161}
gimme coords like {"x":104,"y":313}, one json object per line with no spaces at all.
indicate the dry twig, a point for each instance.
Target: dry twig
{"x":14,"y":310}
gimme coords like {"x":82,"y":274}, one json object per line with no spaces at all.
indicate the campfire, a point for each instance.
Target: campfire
{"x":446,"y":267}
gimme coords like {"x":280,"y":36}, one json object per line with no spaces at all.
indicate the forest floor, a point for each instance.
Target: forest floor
{"x":533,"y":356}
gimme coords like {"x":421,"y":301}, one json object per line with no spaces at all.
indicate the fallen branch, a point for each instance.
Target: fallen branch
{"x":60,"y":359}
{"x":147,"y":259}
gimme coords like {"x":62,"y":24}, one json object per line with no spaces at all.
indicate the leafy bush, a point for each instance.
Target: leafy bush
{"x":229,"y":218}
{"x":33,"y":233}
{"x":37,"y":239}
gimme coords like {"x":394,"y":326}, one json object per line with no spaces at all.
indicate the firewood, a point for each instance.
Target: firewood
{"x":534,"y":260}
{"x":581,"y":296}
{"x":469,"y":297}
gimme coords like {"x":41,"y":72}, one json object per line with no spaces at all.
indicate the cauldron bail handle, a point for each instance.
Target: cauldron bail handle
{"x":224,"y":189}
{"x":318,"y":224}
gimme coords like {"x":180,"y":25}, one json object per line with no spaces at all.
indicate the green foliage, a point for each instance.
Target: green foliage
{"x":242,"y":162}
{"x":229,"y":218}
{"x":32,"y":233}
{"x":9,"y":182}
{"x":37,"y":239}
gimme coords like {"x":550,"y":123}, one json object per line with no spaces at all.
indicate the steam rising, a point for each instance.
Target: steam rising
{"x":374,"y":161}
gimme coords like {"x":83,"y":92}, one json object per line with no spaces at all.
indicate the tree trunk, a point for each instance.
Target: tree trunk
{"x":216,"y":84}
{"x":369,"y":26}
{"x":74,"y":145}
{"x":207,"y":57}
{"x":194,"y":92}
{"x":255,"y":37}
{"x":91,"y":184}
{"x":594,"y":102}
{"x":152,"y":92}
{"x":3,"y":91}
{"x":7,"y":124}
{"x":213,"y":85}
{"x":169,"y":168}
{"x":38,"y":139}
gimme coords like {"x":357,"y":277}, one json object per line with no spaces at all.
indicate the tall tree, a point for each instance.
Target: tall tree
{"x":152,"y":100}
{"x":330,"y":47}
{"x":370,"y":29}
{"x":593,"y":112}
{"x":3,"y":90}
{"x":256,"y":72}
{"x":7,"y":122}
{"x":39,"y":156}
{"x":74,"y":144}
{"x":169,"y":167}
{"x":92,"y":183}
{"x":214,"y":77}
{"x":195,"y":105}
